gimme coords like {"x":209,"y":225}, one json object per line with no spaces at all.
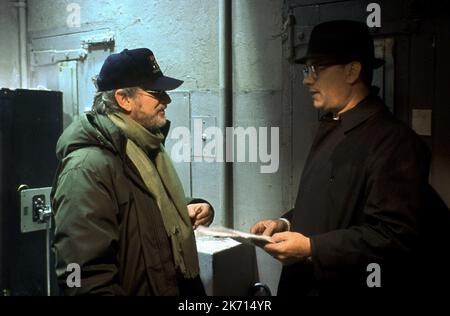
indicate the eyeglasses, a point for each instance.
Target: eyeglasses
{"x":161,"y":96}
{"x":313,"y":71}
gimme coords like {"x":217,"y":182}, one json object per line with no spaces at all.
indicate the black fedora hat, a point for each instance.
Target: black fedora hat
{"x":134,"y":68}
{"x":341,"y":41}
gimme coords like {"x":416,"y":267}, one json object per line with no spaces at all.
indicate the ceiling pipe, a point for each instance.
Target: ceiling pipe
{"x":21,"y":5}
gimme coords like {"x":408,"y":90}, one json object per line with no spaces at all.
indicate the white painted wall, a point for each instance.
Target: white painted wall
{"x":181,"y":33}
{"x":9,"y":46}
{"x":257,"y":78}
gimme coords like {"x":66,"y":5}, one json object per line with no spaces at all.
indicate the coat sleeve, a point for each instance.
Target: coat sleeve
{"x":288,"y":215}
{"x":394,"y":195}
{"x":87,"y":232}
{"x":191,"y":200}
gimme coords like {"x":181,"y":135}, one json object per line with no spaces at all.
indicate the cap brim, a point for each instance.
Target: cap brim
{"x":164,"y":83}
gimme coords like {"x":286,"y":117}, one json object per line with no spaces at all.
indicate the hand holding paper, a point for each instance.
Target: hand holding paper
{"x":246,"y":238}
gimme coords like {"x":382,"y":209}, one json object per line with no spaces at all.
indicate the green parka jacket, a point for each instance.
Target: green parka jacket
{"x":106,"y":220}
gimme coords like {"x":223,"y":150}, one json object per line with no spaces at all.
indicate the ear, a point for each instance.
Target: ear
{"x":353,"y":71}
{"x":124,"y":101}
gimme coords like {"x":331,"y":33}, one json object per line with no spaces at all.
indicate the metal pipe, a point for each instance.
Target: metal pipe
{"x":226,"y":107}
{"x":22,"y":8}
{"x":47,"y":256}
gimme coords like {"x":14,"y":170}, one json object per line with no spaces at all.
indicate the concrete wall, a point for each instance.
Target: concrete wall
{"x":182,"y":33}
{"x":257,"y":86}
{"x":9,"y":46}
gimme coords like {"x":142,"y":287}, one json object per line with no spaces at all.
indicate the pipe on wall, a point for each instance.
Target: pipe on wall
{"x":226,"y":106}
{"x":21,"y":5}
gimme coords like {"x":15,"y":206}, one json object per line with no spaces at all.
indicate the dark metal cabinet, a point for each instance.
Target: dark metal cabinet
{"x":30,"y":124}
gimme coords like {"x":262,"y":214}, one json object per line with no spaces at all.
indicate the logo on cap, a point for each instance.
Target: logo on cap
{"x":154,"y":64}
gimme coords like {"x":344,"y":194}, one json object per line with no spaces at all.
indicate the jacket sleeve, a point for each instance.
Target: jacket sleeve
{"x":87,"y":232}
{"x":394,"y":195}
{"x":191,"y":200}
{"x":288,"y":215}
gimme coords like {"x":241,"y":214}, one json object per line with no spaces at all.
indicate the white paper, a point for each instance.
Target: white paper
{"x":223,"y":232}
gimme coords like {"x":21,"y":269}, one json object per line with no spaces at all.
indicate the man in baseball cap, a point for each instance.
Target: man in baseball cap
{"x":121,"y":212}
{"x":123,"y":82}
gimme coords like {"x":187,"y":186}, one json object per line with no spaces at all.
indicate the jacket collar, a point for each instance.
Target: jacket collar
{"x":369,"y":106}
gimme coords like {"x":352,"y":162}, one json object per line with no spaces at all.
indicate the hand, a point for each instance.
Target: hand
{"x":289,"y":247}
{"x":269,"y":227}
{"x":200,"y":214}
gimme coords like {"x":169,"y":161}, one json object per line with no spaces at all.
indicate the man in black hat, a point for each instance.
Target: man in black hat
{"x":121,"y":215}
{"x":356,"y":222}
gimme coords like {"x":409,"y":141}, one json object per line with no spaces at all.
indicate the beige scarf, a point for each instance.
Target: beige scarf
{"x":161,"y":179}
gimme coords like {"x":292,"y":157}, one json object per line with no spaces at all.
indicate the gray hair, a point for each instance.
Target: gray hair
{"x":105,"y":101}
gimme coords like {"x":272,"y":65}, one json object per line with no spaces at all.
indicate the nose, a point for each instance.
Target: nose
{"x":308,"y":81}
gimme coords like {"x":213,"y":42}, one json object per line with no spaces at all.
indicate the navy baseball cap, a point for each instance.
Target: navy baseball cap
{"x":134,"y":68}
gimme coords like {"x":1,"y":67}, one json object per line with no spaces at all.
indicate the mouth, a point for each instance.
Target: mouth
{"x":314,"y":93}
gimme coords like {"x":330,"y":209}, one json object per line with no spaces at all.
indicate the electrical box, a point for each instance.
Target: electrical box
{"x":35,"y":209}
